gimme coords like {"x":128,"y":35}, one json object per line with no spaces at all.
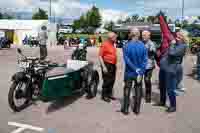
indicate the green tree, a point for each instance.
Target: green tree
{"x":135,"y":18}
{"x":6,"y":16}
{"x":170,"y":21}
{"x":178,"y":23}
{"x":151,"y":19}
{"x":76,"y":24}
{"x":9,"y":17}
{"x":141,"y":19}
{"x":89,"y":21}
{"x":40,"y":14}
{"x":163,"y":14}
{"x":1,"y":15}
{"x":109,"y":26}
{"x":93,"y":17}
{"x":185,"y":24}
{"x":199,"y":17}
{"x":127,"y":20}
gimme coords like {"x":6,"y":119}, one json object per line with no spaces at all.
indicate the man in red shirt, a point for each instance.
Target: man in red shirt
{"x":108,"y":60}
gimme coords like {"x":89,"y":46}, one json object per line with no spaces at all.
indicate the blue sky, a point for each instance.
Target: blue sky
{"x":114,"y":4}
{"x":110,"y":9}
{"x":120,"y":5}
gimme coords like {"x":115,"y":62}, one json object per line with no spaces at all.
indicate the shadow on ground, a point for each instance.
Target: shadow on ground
{"x":61,"y":103}
{"x":155,"y":98}
{"x":193,"y":74}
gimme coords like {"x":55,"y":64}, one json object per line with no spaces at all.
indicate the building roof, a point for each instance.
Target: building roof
{"x":21,"y":24}
{"x":142,"y":26}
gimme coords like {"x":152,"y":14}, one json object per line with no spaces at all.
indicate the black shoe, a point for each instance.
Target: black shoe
{"x":148,"y":100}
{"x":136,"y":111}
{"x":112,"y":98}
{"x":160,"y":104}
{"x":89,"y":97}
{"x":124,"y":112}
{"x":171,"y":109}
{"x":106,"y":99}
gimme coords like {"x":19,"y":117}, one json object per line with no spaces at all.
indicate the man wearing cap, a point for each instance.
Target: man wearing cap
{"x":135,"y":58}
{"x":108,"y":60}
{"x":150,"y":64}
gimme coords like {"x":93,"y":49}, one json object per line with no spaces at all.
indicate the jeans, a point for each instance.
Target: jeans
{"x":162,"y":86}
{"x":168,"y":85}
{"x":179,"y":79}
{"x":171,"y":85}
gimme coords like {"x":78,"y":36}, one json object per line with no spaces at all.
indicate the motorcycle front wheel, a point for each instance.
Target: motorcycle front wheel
{"x":17,"y":96}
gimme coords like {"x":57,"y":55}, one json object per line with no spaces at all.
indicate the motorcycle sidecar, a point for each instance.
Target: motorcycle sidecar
{"x":79,"y":76}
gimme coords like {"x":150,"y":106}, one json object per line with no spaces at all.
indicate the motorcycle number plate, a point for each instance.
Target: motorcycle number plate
{"x":23,"y":64}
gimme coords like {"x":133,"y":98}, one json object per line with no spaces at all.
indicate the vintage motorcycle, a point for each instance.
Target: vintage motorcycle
{"x":32,"y":82}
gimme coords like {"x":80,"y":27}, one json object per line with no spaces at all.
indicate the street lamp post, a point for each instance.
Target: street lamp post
{"x":50,"y":11}
{"x":183,"y":6}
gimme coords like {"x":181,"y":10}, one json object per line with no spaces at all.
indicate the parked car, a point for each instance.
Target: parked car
{"x":79,"y":31}
{"x":65,"y":29}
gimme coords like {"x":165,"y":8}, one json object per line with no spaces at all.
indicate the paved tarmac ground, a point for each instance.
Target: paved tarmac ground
{"x":79,"y":115}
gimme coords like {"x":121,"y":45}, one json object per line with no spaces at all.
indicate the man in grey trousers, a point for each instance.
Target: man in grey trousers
{"x":151,"y":49}
{"x":43,"y":42}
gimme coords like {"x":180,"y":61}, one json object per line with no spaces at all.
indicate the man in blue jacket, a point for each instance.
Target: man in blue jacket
{"x":135,"y":58}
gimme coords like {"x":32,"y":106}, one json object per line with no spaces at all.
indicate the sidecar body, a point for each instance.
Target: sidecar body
{"x":78,"y":76}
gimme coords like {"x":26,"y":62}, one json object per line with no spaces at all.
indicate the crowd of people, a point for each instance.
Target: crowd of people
{"x":72,"y":41}
{"x":140,"y":59}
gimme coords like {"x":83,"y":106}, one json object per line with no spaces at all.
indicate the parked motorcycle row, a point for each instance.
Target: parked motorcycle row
{"x":31,"y":41}
{"x":5,"y":42}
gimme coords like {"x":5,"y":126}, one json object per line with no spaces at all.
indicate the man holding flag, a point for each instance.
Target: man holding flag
{"x":170,"y":57}
{"x":167,"y":37}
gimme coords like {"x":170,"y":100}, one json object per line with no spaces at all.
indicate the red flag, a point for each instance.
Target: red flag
{"x":167,"y":37}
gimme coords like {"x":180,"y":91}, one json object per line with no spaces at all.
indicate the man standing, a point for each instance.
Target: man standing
{"x":43,"y":42}
{"x":108,"y":60}
{"x":150,"y":64}
{"x":135,"y":58}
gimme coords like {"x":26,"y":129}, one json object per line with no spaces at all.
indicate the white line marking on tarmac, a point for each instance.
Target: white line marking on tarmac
{"x":22,"y":127}
{"x":19,"y":130}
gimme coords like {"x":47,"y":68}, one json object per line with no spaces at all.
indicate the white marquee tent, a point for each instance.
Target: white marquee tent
{"x":21,"y":28}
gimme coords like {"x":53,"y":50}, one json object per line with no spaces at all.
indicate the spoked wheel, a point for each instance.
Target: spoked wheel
{"x":17,"y":97}
{"x":93,"y":82}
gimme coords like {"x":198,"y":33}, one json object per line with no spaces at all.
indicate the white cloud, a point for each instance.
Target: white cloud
{"x":64,"y":8}
{"x":73,"y":8}
{"x":112,"y":15}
